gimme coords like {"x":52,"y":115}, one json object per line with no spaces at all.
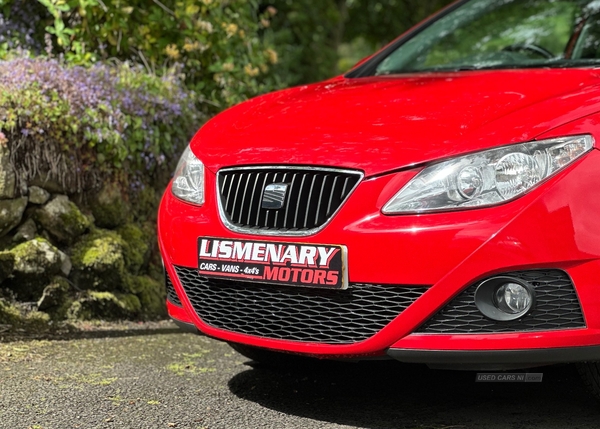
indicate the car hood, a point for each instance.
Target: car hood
{"x":381,"y":124}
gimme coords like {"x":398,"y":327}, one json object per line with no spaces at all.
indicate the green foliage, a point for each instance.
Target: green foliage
{"x":317,"y":39}
{"x":78,"y":124}
{"x":8,"y":313}
{"x":106,"y":306}
{"x":7,"y":263}
{"x":225,"y":47}
{"x":20,"y":26}
{"x":306,"y":35}
{"x":110,"y":206}
{"x":135,"y":247}
{"x":352,"y":52}
{"x":217,"y":43}
{"x":151,"y":294}
{"x":381,"y":21}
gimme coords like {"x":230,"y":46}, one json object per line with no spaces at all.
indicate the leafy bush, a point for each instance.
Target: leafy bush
{"x":306,"y":33}
{"x":312,"y":35}
{"x":77,"y":125}
{"x":20,"y":26}
{"x":218,"y":43}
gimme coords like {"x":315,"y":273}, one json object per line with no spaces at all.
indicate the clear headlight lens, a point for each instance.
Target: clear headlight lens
{"x":487,"y":178}
{"x":188,"y":182}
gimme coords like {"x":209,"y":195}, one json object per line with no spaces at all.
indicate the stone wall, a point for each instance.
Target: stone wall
{"x":65,"y":260}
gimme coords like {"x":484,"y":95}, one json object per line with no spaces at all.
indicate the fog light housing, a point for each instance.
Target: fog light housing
{"x":504,"y":298}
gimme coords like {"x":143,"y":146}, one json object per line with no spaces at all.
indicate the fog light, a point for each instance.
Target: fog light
{"x":513,"y":298}
{"x":504,"y":298}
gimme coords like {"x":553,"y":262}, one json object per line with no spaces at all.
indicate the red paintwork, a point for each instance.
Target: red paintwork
{"x":381,"y":124}
{"x":554,"y":225}
{"x":178,"y":313}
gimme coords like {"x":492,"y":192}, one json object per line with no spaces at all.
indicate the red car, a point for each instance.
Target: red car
{"x":440,"y":203}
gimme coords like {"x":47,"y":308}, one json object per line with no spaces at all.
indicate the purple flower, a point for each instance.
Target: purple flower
{"x":98,"y":110}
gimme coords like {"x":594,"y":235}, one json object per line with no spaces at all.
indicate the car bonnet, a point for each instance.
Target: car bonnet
{"x":381,"y":124}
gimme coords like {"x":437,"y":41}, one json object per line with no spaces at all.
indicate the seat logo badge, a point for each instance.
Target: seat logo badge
{"x":274,"y":196}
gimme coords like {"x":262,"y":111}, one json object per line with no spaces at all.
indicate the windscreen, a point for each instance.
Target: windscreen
{"x":490,"y":34}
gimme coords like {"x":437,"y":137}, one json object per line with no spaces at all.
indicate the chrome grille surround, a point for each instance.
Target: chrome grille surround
{"x":248,"y":217}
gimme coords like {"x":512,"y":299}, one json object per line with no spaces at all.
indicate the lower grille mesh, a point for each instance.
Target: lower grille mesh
{"x":294,"y":313}
{"x":171,"y":294}
{"x":557,"y":307}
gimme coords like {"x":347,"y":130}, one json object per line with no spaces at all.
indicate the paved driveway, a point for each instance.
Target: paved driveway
{"x":161,"y":378}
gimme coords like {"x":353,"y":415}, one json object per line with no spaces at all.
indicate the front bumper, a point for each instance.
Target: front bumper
{"x":552,"y":227}
{"x":491,"y":360}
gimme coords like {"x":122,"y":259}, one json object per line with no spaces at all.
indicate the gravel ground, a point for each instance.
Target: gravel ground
{"x":154,"y":376}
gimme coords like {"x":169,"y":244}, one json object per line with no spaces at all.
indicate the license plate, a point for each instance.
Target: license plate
{"x":280,"y":263}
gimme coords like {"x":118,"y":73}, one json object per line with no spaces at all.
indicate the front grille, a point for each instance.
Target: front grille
{"x":295,"y":313}
{"x":171,"y":294}
{"x":312,"y":198}
{"x":556,"y":307}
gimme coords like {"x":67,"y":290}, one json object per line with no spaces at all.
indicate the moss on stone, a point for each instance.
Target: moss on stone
{"x":9,"y":314}
{"x":27,"y":231}
{"x":36,"y":320}
{"x":62,"y":219}
{"x":74,"y":220}
{"x":35,"y":262}
{"x":99,"y":247}
{"x":151,"y":294}
{"x":32,"y":320}
{"x":7,"y":264}
{"x":145,"y":205}
{"x":11,"y":213}
{"x":109,"y":207}
{"x":76,"y":312}
{"x":94,"y":305}
{"x":38,"y":195}
{"x":54,"y":295}
{"x":130,"y":303}
{"x":98,"y":261}
{"x":135,"y":247}
{"x":37,"y":256}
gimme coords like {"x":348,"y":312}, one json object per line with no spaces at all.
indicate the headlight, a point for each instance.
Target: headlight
{"x":188,"y":182}
{"x":487,"y":178}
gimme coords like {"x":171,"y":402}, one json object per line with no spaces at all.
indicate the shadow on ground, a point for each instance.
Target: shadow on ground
{"x":392,"y":395}
{"x":81,"y":331}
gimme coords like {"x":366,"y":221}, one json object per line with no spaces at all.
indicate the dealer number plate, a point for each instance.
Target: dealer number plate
{"x":296,"y":264}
